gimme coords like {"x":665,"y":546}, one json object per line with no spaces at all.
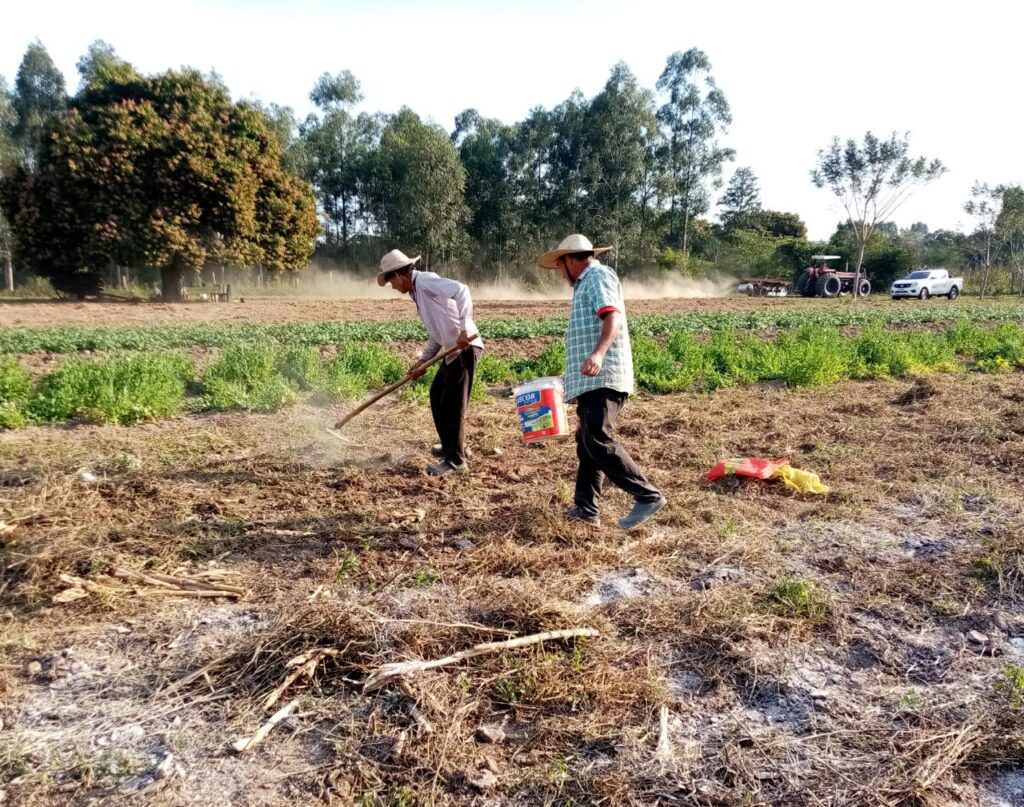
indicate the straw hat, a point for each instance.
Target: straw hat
{"x":574,"y":243}
{"x":394,"y":260}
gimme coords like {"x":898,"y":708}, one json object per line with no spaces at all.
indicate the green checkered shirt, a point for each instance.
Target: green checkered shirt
{"x":596,"y":290}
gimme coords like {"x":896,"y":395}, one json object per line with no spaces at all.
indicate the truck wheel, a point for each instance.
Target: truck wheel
{"x":953,"y":293}
{"x":829,"y":286}
{"x":865,"y":288}
{"x":924,"y":294}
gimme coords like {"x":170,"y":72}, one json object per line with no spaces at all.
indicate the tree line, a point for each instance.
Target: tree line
{"x":165,"y":176}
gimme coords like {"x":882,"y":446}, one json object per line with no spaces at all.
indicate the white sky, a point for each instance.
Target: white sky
{"x":795,"y":73}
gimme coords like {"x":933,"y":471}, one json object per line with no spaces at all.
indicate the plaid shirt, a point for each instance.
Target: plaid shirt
{"x":596,"y":291}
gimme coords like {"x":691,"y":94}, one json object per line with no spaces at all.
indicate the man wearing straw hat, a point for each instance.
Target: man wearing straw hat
{"x":599,"y":377}
{"x":446,"y":309}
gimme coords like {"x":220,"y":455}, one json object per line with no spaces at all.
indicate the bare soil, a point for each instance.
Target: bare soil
{"x":39,"y":314}
{"x":889,"y":688}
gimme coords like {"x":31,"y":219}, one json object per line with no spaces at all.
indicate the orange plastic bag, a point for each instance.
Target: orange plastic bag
{"x":751,"y":467}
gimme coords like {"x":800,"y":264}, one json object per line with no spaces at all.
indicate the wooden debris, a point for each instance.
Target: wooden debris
{"x":304,"y":667}
{"x":243,"y":744}
{"x":387,"y":672}
{"x":210,"y":583}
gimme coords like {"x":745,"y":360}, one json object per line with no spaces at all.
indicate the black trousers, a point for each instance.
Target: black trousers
{"x":601,"y":457}
{"x":449,"y":401}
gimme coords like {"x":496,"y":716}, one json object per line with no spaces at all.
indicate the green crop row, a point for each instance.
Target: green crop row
{"x":71,"y":340}
{"x":266,"y":376}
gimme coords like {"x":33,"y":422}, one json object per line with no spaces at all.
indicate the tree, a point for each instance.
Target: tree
{"x":8,"y":162}
{"x":695,"y":113}
{"x":38,"y":96}
{"x":98,"y":63}
{"x":1010,"y":225}
{"x":871,"y":181}
{"x":984,"y":206}
{"x":620,"y":128}
{"x":741,"y":199}
{"x":336,"y":150}
{"x":485,"y":151}
{"x":162,"y":171}
{"x":418,"y":187}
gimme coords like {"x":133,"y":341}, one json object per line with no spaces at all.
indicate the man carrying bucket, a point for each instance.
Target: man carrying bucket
{"x":446,"y":309}
{"x":599,"y":377}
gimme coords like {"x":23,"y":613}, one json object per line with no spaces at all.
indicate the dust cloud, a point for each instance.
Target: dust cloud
{"x":650,"y":285}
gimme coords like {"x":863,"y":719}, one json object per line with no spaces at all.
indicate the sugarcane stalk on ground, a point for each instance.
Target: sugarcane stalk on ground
{"x":411,"y":375}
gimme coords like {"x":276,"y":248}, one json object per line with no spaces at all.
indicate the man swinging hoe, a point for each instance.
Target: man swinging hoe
{"x":446,"y":310}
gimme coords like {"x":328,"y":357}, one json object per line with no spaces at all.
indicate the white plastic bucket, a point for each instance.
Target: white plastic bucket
{"x":541,"y":407}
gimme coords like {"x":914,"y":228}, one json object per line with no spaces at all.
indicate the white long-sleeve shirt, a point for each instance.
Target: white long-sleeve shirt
{"x":446,"y":308}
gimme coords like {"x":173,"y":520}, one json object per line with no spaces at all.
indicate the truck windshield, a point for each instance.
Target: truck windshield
{"x":918,"y":276}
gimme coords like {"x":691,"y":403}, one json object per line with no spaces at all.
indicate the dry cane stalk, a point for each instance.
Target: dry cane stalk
{"x":245,"y":743}
{"x":305,"y":665}
{"x":383,"y":674}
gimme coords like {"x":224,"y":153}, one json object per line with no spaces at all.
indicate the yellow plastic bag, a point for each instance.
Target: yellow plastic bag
{"x":800,"y":481}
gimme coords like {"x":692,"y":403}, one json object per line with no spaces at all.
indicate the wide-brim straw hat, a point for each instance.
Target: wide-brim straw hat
{"x":393,"y":261}
{"x":574,"y":243}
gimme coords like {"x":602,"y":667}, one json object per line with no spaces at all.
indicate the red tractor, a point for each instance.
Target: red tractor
{"x":824,"y":281}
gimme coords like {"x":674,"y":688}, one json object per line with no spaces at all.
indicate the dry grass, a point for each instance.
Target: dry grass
{"x":808,"y":650}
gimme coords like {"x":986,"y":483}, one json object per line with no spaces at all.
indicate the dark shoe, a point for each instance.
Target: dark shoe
{"x":437,"y":451}
{"x":641,"y":512}
{"x":575,"y":514}
{"x":444,"y":468}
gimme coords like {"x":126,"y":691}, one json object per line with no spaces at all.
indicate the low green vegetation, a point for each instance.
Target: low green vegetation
{"x":72,"y":340}
{"x":264,"y":376}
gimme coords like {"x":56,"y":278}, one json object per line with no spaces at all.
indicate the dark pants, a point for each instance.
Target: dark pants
{"x":449,"y":400}
{"x":600,"y":456}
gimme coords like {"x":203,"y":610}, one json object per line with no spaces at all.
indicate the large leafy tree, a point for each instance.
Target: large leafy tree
{"x":418,"y":188}
{"x":742,"y":199}
{"x":620,"y":130}
{"x":39,"y":96}
{"x":485,"y":149}
{"x":163,"y":171}
{"x":692,"y":118}
{"x":337,"y":149}
{"x":872,"y":180}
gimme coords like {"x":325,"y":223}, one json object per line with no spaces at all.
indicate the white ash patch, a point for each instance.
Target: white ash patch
{"x":1004,"y":788}
{"x":621,"y":584}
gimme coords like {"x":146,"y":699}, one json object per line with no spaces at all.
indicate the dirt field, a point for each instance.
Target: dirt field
{"x":18,"y":314}
{"x":720,"y":676}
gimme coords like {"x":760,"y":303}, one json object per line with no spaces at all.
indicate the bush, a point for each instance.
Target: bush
{"x":124,"y":390}
{"x":1004,"y":350}
{"x":881,"y":354}
{"x":302,"y":366}
{"x":15,"y":393}
{"x":492,"y":370}
{"x":246,"y":377}
{"x":654,"y":366}
{"x":813,"y":358}
{"x":795,"y":597}
{"x":376,"y":366}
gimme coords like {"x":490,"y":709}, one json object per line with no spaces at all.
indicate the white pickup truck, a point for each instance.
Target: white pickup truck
{"x":925,"y":283}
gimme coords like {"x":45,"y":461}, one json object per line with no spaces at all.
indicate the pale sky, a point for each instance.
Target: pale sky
{"x":795,"y":73}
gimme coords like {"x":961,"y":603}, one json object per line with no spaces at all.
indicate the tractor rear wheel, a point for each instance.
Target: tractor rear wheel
{"x":829,"y":286}
{"x":865,"y":288}
{"x":805,"y":285}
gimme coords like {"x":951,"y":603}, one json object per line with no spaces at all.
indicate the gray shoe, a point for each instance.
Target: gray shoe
{"x":575,"y":514}
{"x":641,"y":512}
{"x":444,"y":468}
{"x":437,"y":451}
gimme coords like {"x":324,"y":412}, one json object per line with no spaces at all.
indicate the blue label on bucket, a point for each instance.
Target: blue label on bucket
{"x":528,"y":398}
